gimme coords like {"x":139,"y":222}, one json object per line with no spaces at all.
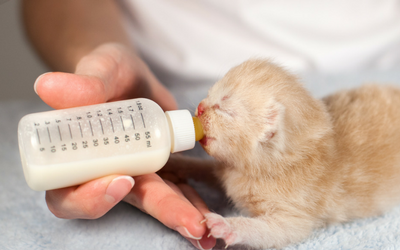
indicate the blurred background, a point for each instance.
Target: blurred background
{"x":19,"y":65}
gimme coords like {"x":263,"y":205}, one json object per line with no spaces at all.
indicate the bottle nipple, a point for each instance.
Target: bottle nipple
{"x":198,"y":129}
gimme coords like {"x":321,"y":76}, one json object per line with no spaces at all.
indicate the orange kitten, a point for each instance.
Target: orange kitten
{"x":294,"y":163}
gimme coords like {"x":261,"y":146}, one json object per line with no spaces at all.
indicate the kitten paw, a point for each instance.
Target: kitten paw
{"x":221,"y":229}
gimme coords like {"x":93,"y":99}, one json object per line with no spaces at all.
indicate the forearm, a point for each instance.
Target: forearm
{"x":64,"y":31}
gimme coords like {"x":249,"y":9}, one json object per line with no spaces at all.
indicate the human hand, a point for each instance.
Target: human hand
{"x":109,"y":73}
{"x":177,"y":206}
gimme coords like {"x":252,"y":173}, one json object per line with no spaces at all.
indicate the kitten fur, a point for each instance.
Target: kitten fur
{"x":294,"y":163}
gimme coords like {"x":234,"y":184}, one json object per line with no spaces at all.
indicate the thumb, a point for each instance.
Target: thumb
{"x":107,"y":73}
{"x":65,"y":90}
{"x":111,"y":72}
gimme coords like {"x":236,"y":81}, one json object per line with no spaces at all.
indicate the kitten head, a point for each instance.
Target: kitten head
{"x":256,"y":111}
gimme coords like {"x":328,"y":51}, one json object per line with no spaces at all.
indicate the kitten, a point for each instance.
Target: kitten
{"x":294,"y":163}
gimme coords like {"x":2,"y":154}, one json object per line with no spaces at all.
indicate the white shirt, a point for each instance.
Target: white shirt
{"x":200,"y":40}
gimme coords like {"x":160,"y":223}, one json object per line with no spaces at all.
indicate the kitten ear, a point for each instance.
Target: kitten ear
{"x":272,"y":120}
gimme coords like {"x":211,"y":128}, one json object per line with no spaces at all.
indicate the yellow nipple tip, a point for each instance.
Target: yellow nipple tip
{"x":198,"y":129}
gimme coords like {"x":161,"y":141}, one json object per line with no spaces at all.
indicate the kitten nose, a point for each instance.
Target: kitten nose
{"x":200,"y":109}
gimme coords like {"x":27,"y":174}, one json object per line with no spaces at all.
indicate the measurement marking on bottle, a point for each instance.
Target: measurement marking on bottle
{"x":122,"y":122}
{"x":59,"y":132}
{"x":91,"y":128}
{"x":101,"y":125}
{"x":80,"y":128}
{"x":144,"y":124}
{"x":38,"y":136}
{"x":48,"y":132}
{"x":70,"y":132}
{"x":112,"y":125}
{"x":133,"y":124}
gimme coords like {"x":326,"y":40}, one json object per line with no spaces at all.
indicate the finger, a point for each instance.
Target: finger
{"x":205,"y":242}
{"x":194,"y":198}
{"x":106,"y":74}
{"x":176,"y":189}
{"x":90,"y":200}
{"x":111,"y":72}
{"x":124,"y":75}
{"x":121,"y":72}
{"x":64,"y":90}
{"x":190,"y":193}
{"x":155,"y":197}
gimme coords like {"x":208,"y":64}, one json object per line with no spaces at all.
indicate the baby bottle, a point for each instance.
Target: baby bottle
{"x":62,"y":148}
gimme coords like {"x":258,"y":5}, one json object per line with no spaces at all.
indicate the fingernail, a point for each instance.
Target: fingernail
{"x":197,"y":244}
{"x":118,"y":188}
{"x":37,"y":80}
{"x":185,"y":233}
{"x":200,"y":247}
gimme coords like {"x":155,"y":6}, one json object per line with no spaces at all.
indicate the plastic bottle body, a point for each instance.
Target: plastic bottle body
{"x":63,"y":148}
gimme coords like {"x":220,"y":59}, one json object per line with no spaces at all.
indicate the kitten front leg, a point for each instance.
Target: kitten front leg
{"x":220,"y":228}
{"x":259,"y":232}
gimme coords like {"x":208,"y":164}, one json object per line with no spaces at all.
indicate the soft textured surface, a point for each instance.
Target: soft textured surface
{"x":26,"y":223}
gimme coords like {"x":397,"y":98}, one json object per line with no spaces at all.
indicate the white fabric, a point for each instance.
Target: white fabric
{"x":192,"y":40}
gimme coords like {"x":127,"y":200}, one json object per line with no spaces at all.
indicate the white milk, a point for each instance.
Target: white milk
{"x":68,"y":147}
